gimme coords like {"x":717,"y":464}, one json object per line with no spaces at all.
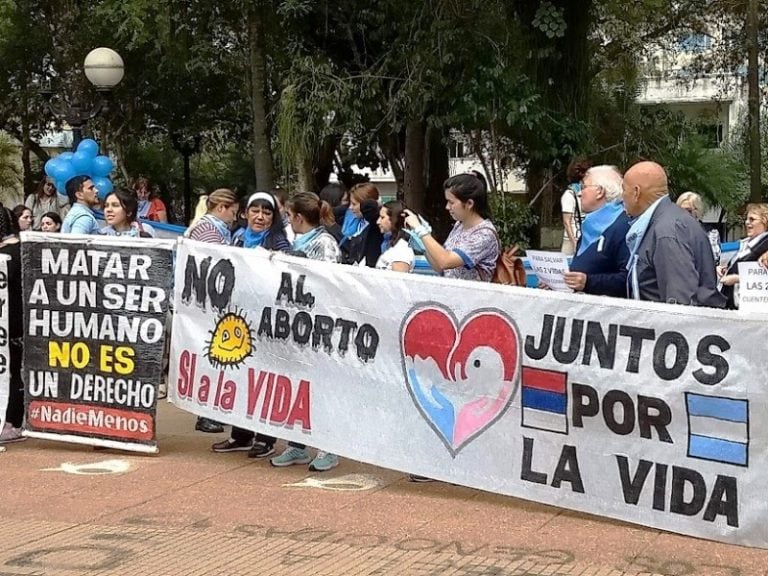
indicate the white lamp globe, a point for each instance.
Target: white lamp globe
{"x":104,"y":68}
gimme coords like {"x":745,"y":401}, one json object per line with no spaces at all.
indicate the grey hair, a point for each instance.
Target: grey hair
{"x":696,"y":203}
{"x":609,"y":179}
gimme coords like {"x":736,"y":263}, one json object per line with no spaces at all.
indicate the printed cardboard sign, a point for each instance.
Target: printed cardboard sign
{"x":95,"y":311}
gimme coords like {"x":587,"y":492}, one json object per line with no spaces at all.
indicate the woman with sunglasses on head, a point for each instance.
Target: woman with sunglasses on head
{"x":751,"y":248}
{"x":472,"y":247}
{"x":45,"y":199}
{"x":214,"y":227}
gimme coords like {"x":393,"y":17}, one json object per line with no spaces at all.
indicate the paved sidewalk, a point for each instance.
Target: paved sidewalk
{"x":188,"y":511}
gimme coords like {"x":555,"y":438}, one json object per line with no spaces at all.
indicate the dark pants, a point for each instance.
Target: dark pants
{"x":14,"y":414}
{"x":244,"y":436}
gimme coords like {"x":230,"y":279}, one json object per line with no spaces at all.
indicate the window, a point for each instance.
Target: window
{"x":692,"y":43}
{"x":456,"y":149}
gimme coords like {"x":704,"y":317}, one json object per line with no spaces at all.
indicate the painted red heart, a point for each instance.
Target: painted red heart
{"x":461,"y":377}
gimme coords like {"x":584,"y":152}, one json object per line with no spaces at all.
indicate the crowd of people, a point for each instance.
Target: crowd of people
{"x":633,"y":241}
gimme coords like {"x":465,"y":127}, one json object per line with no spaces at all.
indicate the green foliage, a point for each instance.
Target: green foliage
{"x":719,"y":176}
{"x":513,"y":218}
{"x":550,"y":20}
{"x":10,"y":174}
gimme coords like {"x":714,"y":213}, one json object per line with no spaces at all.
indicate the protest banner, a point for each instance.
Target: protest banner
{"x":95,"y":310}
{"x":5,"y":359}
{"x":644,"y":412}
{"x":753,"y":287}
{"x":550,"y":267}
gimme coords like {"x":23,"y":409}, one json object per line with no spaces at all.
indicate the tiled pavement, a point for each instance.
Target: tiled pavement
{"x":188,"y":511}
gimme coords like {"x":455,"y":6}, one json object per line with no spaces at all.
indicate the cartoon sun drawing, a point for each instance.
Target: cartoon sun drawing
{"x":231,"y":340}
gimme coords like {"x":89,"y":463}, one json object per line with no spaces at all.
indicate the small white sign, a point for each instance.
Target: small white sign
{"x":550,"y":267}
{"x":753,"y":287}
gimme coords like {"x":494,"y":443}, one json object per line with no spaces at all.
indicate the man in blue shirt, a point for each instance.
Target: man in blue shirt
{"x":83,"y":196}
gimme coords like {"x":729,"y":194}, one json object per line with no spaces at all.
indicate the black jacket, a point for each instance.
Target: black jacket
{"x":366,"y":245}
{"x":752,"y":255}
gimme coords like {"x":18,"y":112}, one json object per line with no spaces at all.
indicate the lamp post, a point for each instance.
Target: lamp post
{"x":186,"y":145}
{"x":104,"y":69}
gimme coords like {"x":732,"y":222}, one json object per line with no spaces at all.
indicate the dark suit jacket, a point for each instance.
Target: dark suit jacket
{"x":675,"y":262}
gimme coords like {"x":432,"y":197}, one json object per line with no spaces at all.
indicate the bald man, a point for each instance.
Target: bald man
{"x":670,"y":256}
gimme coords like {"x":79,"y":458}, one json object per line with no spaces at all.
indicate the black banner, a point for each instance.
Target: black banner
{"x":95,"y":314}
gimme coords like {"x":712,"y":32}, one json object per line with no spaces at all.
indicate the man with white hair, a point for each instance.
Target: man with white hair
{"x":600,"y":264}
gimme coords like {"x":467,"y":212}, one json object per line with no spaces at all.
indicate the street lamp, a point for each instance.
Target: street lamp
{"x":104,"y":69}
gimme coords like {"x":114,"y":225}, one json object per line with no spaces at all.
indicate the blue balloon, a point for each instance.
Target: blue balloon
{"x":103,"y":186}
{"x":101,"y":166}
{"x":89,"y":147}
{"x":66,"y":156}
{"x":82,"y":163}
{"x":64,"y":171}
{"x":61,"y":187}
{"x":50,"y":167}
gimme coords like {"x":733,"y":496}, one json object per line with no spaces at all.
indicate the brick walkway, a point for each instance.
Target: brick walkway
{"x":189,"y":511}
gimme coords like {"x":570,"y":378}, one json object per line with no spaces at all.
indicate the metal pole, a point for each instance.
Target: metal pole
{"x":77,"y":136}
{"x":187,"y":186}
{"x":753,"y":102}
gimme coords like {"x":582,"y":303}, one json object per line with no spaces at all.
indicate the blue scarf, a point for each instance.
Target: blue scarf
{"x":385,"y":242}
{"x":352,"y":225}
{"x":597,"y":222}
{"x":301,"y":241}
{"x":143,"y":209}
{"x":634,"y":239}
{"x":220,"y":226}
{"x":253,"y":239}
{"x":133,"y":232}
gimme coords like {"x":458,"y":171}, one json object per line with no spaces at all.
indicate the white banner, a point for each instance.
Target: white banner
{"x":636,"y":411}
{"x":5,"y":358}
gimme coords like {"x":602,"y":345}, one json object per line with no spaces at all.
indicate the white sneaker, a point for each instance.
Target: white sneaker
{"x":11,"y":434}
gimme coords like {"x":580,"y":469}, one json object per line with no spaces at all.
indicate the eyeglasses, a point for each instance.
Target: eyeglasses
{"x":585,"y":186}
{"x":751,"y":219}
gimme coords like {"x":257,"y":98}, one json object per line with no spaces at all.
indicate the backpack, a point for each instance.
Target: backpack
{"x":509,"y":268}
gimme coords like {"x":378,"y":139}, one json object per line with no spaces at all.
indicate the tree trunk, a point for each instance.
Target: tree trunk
{"x":436,"y":174}
{"x":413,"y":174}
{"x":305,"y":177}
{"x":390,"y":146}
{"x":262,"y":150}
{"x":324,"y":165}
{"x":29,"y":180}
{"x":753,"y":103}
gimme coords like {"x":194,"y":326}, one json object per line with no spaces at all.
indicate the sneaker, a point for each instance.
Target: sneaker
{"x":324,"y":461}
{"x":11,"y":434}
{"x":209,"y":426}
{"x":231,"y":445}
{"x":261,"y":450}
{"x":291,"y":456}
{"x":419,"y":479}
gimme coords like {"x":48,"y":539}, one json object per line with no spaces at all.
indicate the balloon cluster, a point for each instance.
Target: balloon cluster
{"x":85,"y":161}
